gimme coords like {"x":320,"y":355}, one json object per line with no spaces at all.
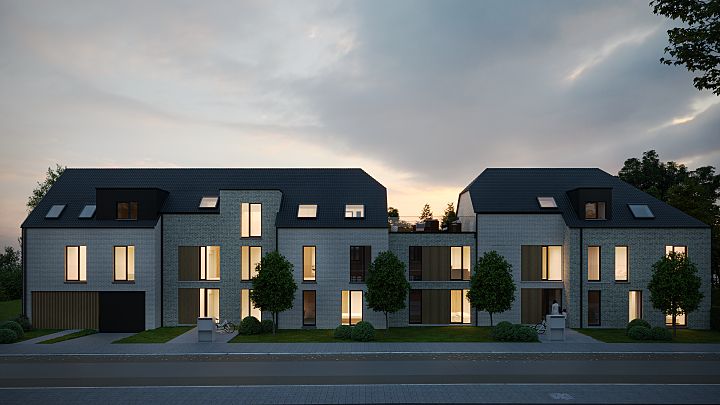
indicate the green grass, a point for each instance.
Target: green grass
{"x":159,"y":335}
{"x":70,"y":336}
{"x":683,"y":336}
{"x":409,"y":334}
{"x":34,"y":333}
{"x":10,"y":309}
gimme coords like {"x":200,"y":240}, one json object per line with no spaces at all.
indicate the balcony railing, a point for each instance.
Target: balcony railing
{"x":433,"y":225}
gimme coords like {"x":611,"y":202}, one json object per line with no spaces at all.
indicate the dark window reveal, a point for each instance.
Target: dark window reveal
{"x":594,"y":308}
{"x":415,"y":263}
{"x":415,"y":306}
{"x":359,"y":263}
{"x":127,"y":210}
{"x":309,"y":308}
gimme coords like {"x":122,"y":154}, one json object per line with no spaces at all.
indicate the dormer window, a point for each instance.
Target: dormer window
{"x":87,"y":212}
{"x":354,"y":211}
{"x":208,"y":202}
{"x":641,"y":211}
{"x":595,"y":210}
{"x":127,"y":210}
{"x":55,"y":211}
{"x":307,"y":211}
{"x":547,"y":202}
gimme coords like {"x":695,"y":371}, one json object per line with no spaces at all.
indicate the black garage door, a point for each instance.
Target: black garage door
{"x":122,"y":311}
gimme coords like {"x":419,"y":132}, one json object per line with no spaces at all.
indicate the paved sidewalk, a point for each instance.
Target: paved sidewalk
{"x":191,"y":336}
{"x":571,"y":336}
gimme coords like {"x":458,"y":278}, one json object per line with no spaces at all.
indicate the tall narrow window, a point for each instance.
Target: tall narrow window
{"x":635,"y":305}
{"x":460,"y":263}
{"x":551,"y":263}
{"x":210,"y":303}
{"x":75,"y":263}
{"x":621,"y":263}
{"x":593,"y":315}
{"x":308,"y":263}
{"x":250,"y":220}
{"x":351,"y":307}
{"x":210,"y":263}
{"x":681,"y":250}
{"x":593,"y":263}
{"x":359,"y":262}
{"x":127,"y":210}
{"x":415,"y":264}
{"x":250,"y":257}
{"x":415,"y":306}
{"x":459,"y":306}
{"x":124,"y":263}
{"x":309,"y":308}
{"x":247,"y":307}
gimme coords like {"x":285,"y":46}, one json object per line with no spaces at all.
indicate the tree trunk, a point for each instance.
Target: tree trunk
{"x":477,"y":321}
{"x":387,"y":325}
{"x":491,"y":322}
{"x":674,"y":326}
{"x":274,"y":315}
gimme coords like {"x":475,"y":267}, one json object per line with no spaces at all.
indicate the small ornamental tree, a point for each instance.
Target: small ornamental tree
{"x":492,"y":288}
{"x":449,"y":216}
{"x":675,"y":286}
{"x":273,"y":286}
{"x":393,"y":212}
{"x":387,"y":285}
{"x":426,"y":213}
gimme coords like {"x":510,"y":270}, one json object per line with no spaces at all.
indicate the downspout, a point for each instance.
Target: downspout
{"x":23,"y":254}
{"x":162,"y":270}
{"x":581,"y":278}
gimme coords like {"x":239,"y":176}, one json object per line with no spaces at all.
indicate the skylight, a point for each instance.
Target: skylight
{"x":307,"y":211}
{"x":209,"y":202}
{"x":55,"y":211}
{"x":547,"y":202}
{"x":641,"y":211}
{"x":87,"y":212}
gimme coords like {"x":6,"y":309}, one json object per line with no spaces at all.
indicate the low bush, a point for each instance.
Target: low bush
{"x":640,"y":332}
{"x":660,"y":333}
{"x":503,"y":332}
{"x":636,"y":322}
{"x":7,"y":336}
{"x":267,"y":326}
{"x":343,"y":332}
{"x":363,"y":332}
{"x":249,"y":326}
{"x":524,"y":333}
{"x":14,"y":326}
{"x":24,"y":322}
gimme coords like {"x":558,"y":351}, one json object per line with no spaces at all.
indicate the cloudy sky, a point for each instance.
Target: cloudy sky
{"x":422,"y":95}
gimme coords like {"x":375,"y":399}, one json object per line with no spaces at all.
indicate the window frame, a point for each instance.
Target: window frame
{"x":127,"y":267}
{"x":202,"y":266}
{"x":365,"y":265}
{"x":414,"y":272}
{"x":462,"y":264}
{"x":545,"y":262}
{"x":246,"y":230}
{"x":79,"y":262}
{"x":130,"y":206}
{"x":250,"y":305}
{"x":597,"y":211}
{"x":301,"y":206}
{"x":314,"y":264}
{"x":627,"y":264}
{"x":463,"y":299}
{"x":673,"y":247}
{"x":599,"y":264}
{"x":248,"y":261}
{"x":350,"y":307}
{"x":205,"y":198}
{"x":410,"y":314}
{"x":204,"y":296}
{"x":599,"y":305}
{"x":353,"y":212}
{"x":314,"y":294}
{"x":640,"y":303}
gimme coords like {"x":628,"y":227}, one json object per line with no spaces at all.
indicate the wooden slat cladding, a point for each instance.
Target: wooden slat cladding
{"x":435,"y":263}
{"x":65,"y":309}
{"x":531,"y":307}
{"x":188,"y":263}
{"x":435,"y":307}
{"x":531,"y":263}
{"x":188,"y":305}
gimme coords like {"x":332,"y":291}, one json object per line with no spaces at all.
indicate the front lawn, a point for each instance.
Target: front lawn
{"x":408,"y":334}
{"x":159,"y":335}
{"x":70,"y":336}
{"x":683,"y":336}
{"x":33,"y":333}
{"x":10,"y":309}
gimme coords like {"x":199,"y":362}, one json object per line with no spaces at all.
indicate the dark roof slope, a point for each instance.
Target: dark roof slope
{"x":516,"y":191}
{"x":331,"y":189}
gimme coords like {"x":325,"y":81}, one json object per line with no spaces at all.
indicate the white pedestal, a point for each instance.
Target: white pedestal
{"x":206,"y":329}
{"x":556,"y":327}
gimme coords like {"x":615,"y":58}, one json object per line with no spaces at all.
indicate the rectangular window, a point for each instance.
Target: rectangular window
{"x":680,"y":320}
{"x":210,"y":263}
{"x":595,"y":210}
{"x":354,"y":211}
{"x":681,"y":250}
{"x":247,"y":307}
{"x":593,"y":308}
{"x":593,"y":263}
{"x":76,"y":263}
{"x":359,"y":263}
{"x":124,"y":263}
{"x":309,"y":308}
{"x":551,"y":263}
{"x":308,"y":263}
{"x":621,"y":263}
{"x":250,"y":220}
{"x":459,"y":306}
{"x":307,"y":211}
{"x":210,"y":303}
{"x":415,"y":306}
{"x":415,"y":255}
{"x":127,"y":210}
{"x":351,"y":307}
{"x":460,"y":263}
{"x":635,"y":305}
{"x":250,"y":257}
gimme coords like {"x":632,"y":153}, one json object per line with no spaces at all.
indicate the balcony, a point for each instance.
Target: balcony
{"x":415,"y":225}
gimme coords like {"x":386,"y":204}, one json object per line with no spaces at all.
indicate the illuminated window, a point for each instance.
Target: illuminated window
{"x":76,"y":263}
{"x":641,"y":211}
{"x":680,"y":250}
{"x":307,"y":211}
{"x":124,"y":263}
{"x":87,"y":212}
{"x":621,"y":263}
{"x":210,"y":263}
{"x":680,"y":320}
{"x":595,"y":210}
{"x":309,"y":314}
{"x":208,"y":202}
{"x":351,"y":307}
{"x":354,"y":211}
{"x":250,"y":258}
{"x":247,"y":307}
{"x":547,"y":202}
{"x":251,"y":220}
{"x":210,"y":303}
{"x":593,"y":308}
{"x":55,"y":211}
{"x":634,"y":305}
{"x":459,"y":306}
{"x":127,"y":210}
{"x":308,"y":263}
{"x":460,"y":263}
{"x":593,"y":263}
{"x":551,"y":263}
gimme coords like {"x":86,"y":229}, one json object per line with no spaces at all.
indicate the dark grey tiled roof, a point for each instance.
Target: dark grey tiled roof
{"x":516,"y":191}
{"x":331,"y":189}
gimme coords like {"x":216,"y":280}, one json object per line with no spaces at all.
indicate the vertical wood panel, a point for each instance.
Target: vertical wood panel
{"x":531,"y":307}
{"x":188,"y":305}
{"x":189,"y":263}
{"x":65,"y":309}
{"x":531,"y":263}
{"x":436,"y":307}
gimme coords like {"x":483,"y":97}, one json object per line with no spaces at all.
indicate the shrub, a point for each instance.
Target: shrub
{"x":14,"y":326}
{"x":503,"y":332}
{"x":363,"y":332}
{"x":343,"y":332}
{"x":660,"y":333}
{"x":636,"y":322}
{"x":524,"y":333}
{"x":640,"y":333}
{"x":267,"y":326}
{"x":24,"y":322}
{"x":7,"y":336}
{"x":249,"y":326}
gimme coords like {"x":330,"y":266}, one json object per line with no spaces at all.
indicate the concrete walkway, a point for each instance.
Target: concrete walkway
{"x":571,"y":336}
{"x":48,"y":337}
{"x":191,"y":336}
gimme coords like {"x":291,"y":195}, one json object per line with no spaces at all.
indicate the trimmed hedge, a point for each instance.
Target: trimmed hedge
{"x":507,"y":332}
{"x":249,"y":326}
{"x":14,"y":326}
{"x":660,"y":333}
{"x":7,"y":336}
{"x":267,"y":326}
{"x":343,"y":332}
{"x":363,"y":332}
{"x":636,"y":322}
{"x":24,"y":322}
{"x":639,"y":332}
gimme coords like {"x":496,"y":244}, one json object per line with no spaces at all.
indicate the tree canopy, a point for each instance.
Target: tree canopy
{"x":10,"y":274}
{"x":426,"y":213}
{"x":42,"y":187}
{"x":492,"y":288}
{"x":449,"y":216}
{"x":387,"y":285}
{"x":274,"y":286}
{"x":675,"y":286}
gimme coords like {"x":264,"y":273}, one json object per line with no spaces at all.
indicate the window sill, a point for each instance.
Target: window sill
{"x":622,"y":281}
{"x":309,"y":282}
{"x":75,"y":282}
{"x":357,"y":282}
{"x":250,"y":237}
{"x":123,"y":282}
{"x":594,"y":281}
{"x":309,"y":326}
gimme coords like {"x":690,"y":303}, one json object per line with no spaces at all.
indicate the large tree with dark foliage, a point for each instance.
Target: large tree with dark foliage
{"x":675,"y":286}
{"x":695,"y":192}
{"x":696,"y":44}
{"x":42,"y":187}
{"x":10,"y":275}
{"x":274,"y":286}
